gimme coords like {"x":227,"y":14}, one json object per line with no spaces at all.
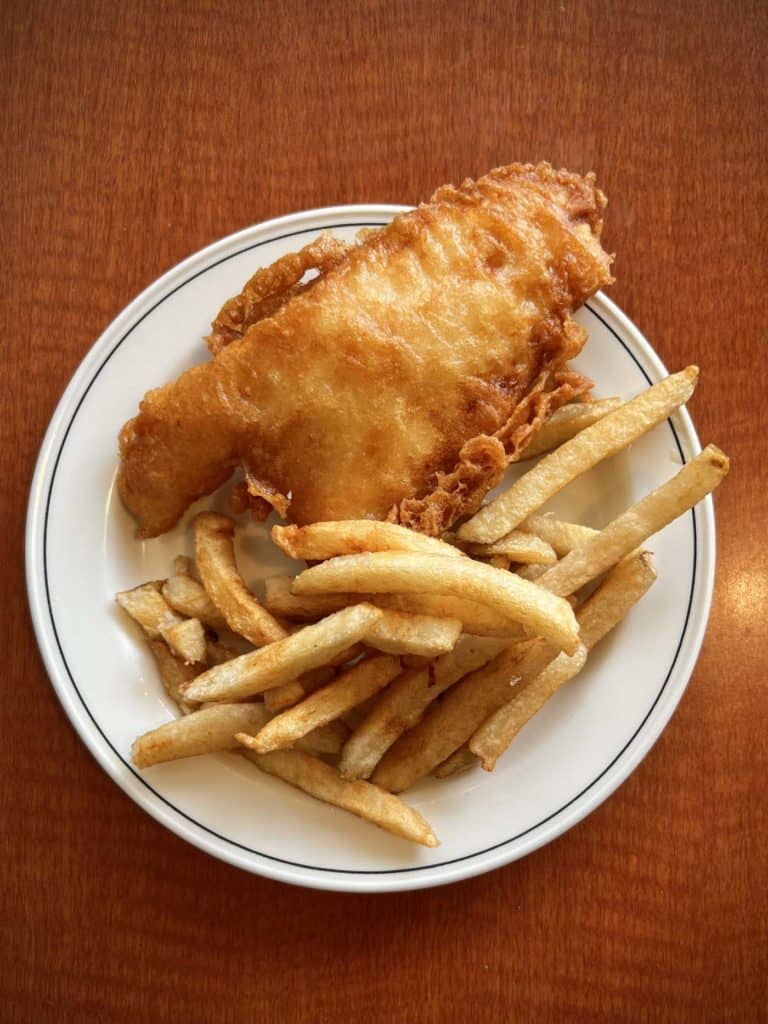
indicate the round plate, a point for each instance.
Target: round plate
{"x":81,"y":549}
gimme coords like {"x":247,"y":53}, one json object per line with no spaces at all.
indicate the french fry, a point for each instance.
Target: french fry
{"x":206,"y":731}
{"x":460,"y":761}
{"x":516,"y":546}
{"x":281,"y":697}
{"x":215,"y":552}
{"x":566,"y":422}
{"x":347,"y":690}
{"x":187,"y":641}
{"x":325,"y":740}
{"x":530,"y":572}
{"x":320,"y":780}
{"x":188,"y":597}
{"x":404,"y":701}
{"x":423,"y":635}
{"x":476,"y":618}
{"x":279,"y":600}
{"x":448,"y":724}
{"x":561,"y":536}
{"x":388,"y":571}
{"x":183,"y":566}
{"x":319,"y":541}
{"x":284,"y":660}
{"x":653,"y":512}
{"x":173,"y":672}
{"x":608,"y":436}
{"x":525,"y":704}
{"x":619,"y":591}
{"x":499,"y":562}
{"x":146,"y":605}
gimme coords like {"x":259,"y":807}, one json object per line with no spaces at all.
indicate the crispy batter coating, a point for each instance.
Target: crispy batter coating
{"x":402,"y":381}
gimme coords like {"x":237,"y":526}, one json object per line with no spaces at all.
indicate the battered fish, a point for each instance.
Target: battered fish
{"x":399,"y":382}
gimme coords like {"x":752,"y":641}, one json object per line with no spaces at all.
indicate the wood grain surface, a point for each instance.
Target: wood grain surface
{"x":134,"y":133}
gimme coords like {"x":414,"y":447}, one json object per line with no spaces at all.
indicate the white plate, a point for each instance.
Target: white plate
{"x":81,"y":550}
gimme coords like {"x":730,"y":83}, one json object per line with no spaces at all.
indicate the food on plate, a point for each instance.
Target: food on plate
{"x":516,"y":546}
{"x":397,"y":654}
{"x":422,"y":635}
{"x":403,"y":703}
{"x":285,"y":659}
{"x":562,"y":537}
{"x":370,"y":802}
{"x":215,"y":556}
{"x":694,"y":481}
{"x":187,"y":640}
{"x":565,"y":423}
{"x":346,"y":691}
{"x":392,"y":571}
{"x":401,"y":381}
{"x":608,"y":436}
{"x":622,"y":588}
{"x":476,"y":618}
{"x":319,"y":541}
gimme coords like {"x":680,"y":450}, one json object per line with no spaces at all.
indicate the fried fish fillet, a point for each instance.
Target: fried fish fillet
{"x":399,"y":382}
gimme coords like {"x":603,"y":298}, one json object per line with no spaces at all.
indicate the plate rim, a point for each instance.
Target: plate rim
{"x":341,"y":879}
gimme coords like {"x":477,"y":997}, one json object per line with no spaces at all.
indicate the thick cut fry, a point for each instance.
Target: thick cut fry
{"x":476,"y":618}
{"x":352,"y":536}
{"x":461,"y":760}
{"x":608,"y":436}
{"x":563,"y":537}
{"x":388,"y":571}
{"x":187,"y":640}
{"x":282,"y":697}
{"x":206,"y":731}
{"x":146,"y":605}
{"x":279,"y":599}
{"x":500,"y":562}
{"x":565,"y":423}
{"x":517,"y":546}
{"x":182,"y":566}
{"x":328,"y":739}
{"x":173,"y":672}
{"x":346,"y":691}
{"x":448,"y":724}
{"x":402,"y":704}
{"x":424,"y":635}
{"x":361,"y":798}
{"x":531,"y":572}
{"x":215,"y":552}
{"x":185,"y":595}
{"x":524,"y":706}
{"x":653,"y":512}
{"x":284,"y":660}
{"x":619,"y":591}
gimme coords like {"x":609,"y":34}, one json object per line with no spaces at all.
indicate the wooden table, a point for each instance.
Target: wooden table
{"x":134,"y":134}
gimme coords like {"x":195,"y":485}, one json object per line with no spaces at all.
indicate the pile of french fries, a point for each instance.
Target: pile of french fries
{"x":397,"y":655}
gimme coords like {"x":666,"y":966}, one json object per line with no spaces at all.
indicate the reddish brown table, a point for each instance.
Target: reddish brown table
{"x":135,"y":133}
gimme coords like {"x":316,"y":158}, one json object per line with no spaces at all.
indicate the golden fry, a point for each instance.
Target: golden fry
{"x":388,"y":571}
{"x":566,"y":422}
{"x":653,"y":512}
{"x":361,"y":798}
{"x":214,"y":547}
{"x":346,"y":691}
{"x":608,"y":436}
{"x":404,"y":701}
{"x":319,"y":541}
{"x":284,"y":660}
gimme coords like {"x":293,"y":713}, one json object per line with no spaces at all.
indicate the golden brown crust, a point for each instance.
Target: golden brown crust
{"x":406,"y":374}
{"x":271,"y":287}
